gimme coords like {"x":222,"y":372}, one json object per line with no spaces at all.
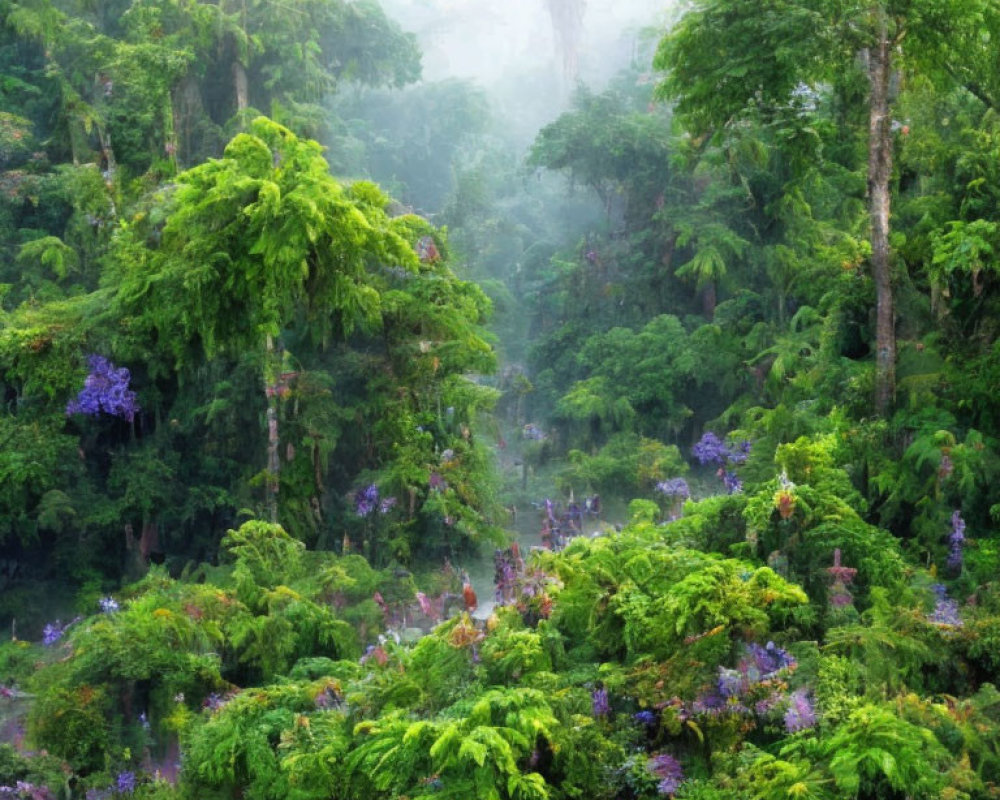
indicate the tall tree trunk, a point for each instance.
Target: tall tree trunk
{"x":240,"y":87}
{"x":271,"y":371}
{"x":879,"y":172}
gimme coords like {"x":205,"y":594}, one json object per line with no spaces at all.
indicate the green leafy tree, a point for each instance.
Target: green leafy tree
{"x":718,"y":79}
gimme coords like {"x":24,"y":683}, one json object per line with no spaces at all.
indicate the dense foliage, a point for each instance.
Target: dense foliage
{"x":252,"y":445}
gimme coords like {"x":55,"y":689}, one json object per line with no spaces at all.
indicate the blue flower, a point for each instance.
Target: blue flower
{"x":105,"y":391}
{"x":125,"y":782}
{"x":366,"y":500}
{"x":668,"y":769}
{"x":108,"y":605}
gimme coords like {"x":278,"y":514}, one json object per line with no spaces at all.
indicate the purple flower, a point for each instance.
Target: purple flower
{"x":764,"y":706}
{"x":731,"y":683}
{"x":675,"y":487}
{"x":732,"y":483}
{"x":105,"y":390}
{"x":741,"y":452}
{"x":711,"y":702}
{"x":668,"y":769}
{"x":366,"y":500}
{"x":800,"y":714}
{"x":125,"y":782}
{"x":599,"y":701}
{"x":770,"y":658}
{"x":645,"y":717}
{"x":108,"y":605}
{"x":52,"y":633}
{"x":437,"y":483}
{"x":710,"y":450}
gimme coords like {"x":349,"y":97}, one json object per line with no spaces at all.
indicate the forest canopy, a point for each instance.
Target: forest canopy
{"x":352,"y":448}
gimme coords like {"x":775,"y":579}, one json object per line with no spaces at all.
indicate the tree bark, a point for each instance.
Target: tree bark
{"x":271,"y":371}
{"x":240,"y":87}
{"x":879,"y":172}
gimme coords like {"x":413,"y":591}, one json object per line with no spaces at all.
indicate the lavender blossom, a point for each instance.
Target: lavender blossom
{"x":52,"y":633}
{"x":800,"y":714}
{"x":711,"y":702}
{"x":710,"y":450}
{"x":125,"y":782}
{"x":645,"y":717}
{"x":668,"y":769}
{"x":731,"y":683}
{"x":108,"y":605}
{"x":599,"y":701}
{"x":366,"y":500}
{"x":105,"y":390}
{"x":732,"y":483}
{"x":741,"y":452}
{"x":770,"y":658}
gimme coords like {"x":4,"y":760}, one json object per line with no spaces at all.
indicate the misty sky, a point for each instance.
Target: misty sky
{"x":488,"y":41}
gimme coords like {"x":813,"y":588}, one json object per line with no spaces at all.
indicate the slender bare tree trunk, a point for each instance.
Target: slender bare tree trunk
{"x":271,"y":370}
{"x":879,"y":172}
{"x":240,"y":86}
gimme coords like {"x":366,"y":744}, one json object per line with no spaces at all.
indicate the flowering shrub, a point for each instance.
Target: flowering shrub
{"x":105,"y":391}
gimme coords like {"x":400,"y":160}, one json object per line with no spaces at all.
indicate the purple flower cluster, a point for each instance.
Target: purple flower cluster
{"x":675,"y":487}
{"x":668,"y":769}
{"x":646,"y":718}
{"x":732,"y":483}
{"x":125,"y":782}
{"x":53,"y":632}
{"x":25,"y":789}
{"x":945,"y":609}
{"x":366,"y":500}
{"x":956,"y":541}
{"x":108,"y":605}
{"x":770,"y":659}
{"x":800,"y":713}
{"x":710,"y":449}
{"x":750,"y":688}
{"x":105,"y":391}
{"x":599,"y":701}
